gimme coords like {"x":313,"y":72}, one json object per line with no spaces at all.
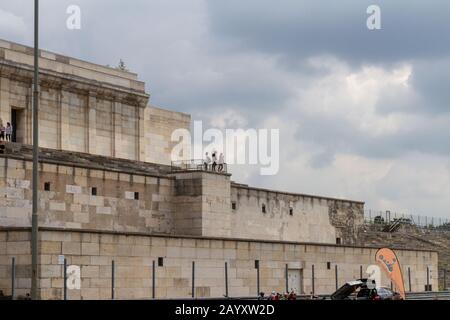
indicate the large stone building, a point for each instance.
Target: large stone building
{"x":108,"y":192}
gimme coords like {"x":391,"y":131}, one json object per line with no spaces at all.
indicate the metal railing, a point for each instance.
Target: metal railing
{"x":388,"y":217}
{"x":198,"y":165}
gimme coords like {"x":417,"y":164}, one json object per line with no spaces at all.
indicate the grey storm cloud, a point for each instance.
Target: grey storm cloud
{"x":302,"y":28}
{"x":431,"y":79}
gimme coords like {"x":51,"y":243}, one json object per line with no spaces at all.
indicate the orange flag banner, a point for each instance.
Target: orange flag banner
{"x":389,"y":263}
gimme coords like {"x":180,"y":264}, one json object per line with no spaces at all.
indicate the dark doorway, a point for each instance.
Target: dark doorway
{"x":17,"y":123}
{"x":14,"y":125}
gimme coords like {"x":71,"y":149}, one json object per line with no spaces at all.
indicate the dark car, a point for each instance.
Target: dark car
{"x":388,"y":294}
{"x":353,"y":290}
{"x":360,"y":290}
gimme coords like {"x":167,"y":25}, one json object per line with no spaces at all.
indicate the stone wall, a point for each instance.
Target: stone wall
{"x":202,"y":205}
{"x":134,"y":254}
{"x":121,"y":201}
{"x":17,"y":245}
{"x":159,"y":125}
{"x":293,"y":217}
{"x":208,"y":204}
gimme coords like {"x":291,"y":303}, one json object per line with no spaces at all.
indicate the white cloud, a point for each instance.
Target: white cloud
{"x":353,"y":96}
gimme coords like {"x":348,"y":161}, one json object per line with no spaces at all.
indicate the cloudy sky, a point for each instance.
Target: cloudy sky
{"x":362,"y":114}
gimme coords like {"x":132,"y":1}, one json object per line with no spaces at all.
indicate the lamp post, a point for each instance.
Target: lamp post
{"x":34,"y":216}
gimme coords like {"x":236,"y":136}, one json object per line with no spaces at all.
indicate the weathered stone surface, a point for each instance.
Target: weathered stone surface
{"x":106,"y":157}
{"x":133,"y":256}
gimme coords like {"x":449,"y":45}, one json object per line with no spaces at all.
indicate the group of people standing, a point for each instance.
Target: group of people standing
{"x":5,"y":132}
{"x":278,"y":296}
{"x":216,"y":163}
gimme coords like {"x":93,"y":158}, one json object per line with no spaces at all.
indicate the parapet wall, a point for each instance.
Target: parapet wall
{"x":294,"y":217}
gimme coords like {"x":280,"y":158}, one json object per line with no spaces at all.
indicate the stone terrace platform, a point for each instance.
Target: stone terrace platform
{"x":82,"y":160}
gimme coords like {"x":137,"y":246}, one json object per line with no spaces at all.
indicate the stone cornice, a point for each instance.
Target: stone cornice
{"x":72,"y":83}
{"x":291,"y":194}
{"x":210,"y":238}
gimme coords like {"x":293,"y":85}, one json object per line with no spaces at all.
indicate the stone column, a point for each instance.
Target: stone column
{"x":5,"y":108}
{"x":92,"y":124}
{"x":140,"y":145}
{"x":58,"y":124}
{"x":117,"y":128}
{"x":28,"y":139}
{"x":64,"y":120}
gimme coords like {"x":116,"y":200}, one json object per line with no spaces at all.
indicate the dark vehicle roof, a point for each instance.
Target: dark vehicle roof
{"x":348,"y":288}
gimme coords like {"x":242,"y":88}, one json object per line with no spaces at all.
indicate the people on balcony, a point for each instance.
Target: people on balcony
{"x":214,"y":160}
{"x":2,"y":131}
{"x":8,"y":131}
{"x":216,"y":164}
{"x":206,"y":161}
{"x":221,"y":162}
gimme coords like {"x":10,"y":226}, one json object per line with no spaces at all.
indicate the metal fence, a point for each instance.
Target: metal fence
{"x":152,"y":291}
{"x":388,"y":217}
{"x":198,"y":165}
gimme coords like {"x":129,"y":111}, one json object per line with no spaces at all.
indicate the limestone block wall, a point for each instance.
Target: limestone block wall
{"x":347,"y":217}
{"x":17,"y":245}
{"x":121,"y":201}
{"x":208,"y":204}
{"x":202,"y":204}
{"x":293,"y":217}
{"x":159,"y":125}
{"x":104,"y":125}
{"x":134,"y":254}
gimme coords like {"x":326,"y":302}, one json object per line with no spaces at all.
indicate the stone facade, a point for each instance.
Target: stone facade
{"x":134,"y":254}
{"x":107,"y":192}
{"x":143,"y":197}
{"x":84,"y":107}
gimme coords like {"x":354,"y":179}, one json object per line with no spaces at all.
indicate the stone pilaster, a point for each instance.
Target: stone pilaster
{"x":28,"y":116}
{"x":92,"y":124}
{"x":117,"y":128}
{"x":5,"y":108}
{"x":64,"y":120}
{"x":141,"y":135}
